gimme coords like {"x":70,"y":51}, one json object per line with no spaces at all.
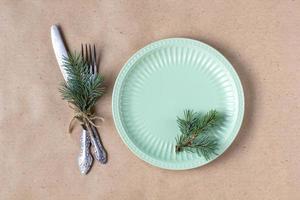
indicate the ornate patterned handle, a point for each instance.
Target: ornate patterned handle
{"x":85,"y":159}
{"x":99,"y":151}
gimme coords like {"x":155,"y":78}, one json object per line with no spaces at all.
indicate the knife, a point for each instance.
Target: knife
{"x":85,"y":159}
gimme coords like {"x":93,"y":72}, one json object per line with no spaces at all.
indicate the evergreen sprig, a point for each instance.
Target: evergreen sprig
{"x":82,"y":88}
{"x":196,"y":133}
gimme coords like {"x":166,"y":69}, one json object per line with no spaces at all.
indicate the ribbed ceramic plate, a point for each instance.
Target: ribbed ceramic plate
{"x":158,"y":83}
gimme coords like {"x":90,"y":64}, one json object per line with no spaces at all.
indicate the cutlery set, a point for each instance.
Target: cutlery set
{"x":87,"y":140}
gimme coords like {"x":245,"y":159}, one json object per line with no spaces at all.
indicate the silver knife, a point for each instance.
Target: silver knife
{"x":85,"y":159}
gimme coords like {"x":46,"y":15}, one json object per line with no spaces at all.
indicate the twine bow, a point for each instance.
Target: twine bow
{"x":83,"y":118}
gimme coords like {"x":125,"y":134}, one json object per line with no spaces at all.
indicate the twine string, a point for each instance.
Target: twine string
{"x":83,"y":118}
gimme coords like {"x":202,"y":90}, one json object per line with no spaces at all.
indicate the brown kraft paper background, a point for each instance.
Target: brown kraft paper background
{"x":39,"y":159}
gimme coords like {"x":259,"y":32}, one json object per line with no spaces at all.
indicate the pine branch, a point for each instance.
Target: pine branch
{"x":82,"y":88}
{"x":196,"y":135}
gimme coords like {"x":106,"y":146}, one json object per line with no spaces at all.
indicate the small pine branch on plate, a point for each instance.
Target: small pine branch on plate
{"x":196,"y":133}
{"x":82,"y":89}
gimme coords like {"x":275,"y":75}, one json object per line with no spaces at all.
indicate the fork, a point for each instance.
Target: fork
{"x":90,"y":57}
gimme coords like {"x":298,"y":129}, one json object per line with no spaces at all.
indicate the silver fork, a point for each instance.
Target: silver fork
{"x":90,"y":56}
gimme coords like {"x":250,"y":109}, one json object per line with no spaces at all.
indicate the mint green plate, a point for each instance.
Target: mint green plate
{"x":158,"y":83}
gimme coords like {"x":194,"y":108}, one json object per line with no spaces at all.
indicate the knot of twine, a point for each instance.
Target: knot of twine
{"x":83,"y":118}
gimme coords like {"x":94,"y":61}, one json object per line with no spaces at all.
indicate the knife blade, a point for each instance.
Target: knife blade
{"x":59,"y":49}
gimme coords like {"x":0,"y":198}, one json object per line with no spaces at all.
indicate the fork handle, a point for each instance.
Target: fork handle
{"x":99,"y":151}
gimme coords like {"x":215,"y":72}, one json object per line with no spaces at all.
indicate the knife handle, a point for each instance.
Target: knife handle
{"x":85,"y":159}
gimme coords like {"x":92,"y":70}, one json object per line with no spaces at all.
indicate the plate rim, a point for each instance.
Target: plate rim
{"x":120,"y":80}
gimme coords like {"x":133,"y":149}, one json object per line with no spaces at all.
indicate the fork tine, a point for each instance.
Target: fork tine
{"x":86,"y":54}
{"x":87,"y":57}
{"x":81,"y":52}
{"x":90,"y":59}
{"x":94,"y":59}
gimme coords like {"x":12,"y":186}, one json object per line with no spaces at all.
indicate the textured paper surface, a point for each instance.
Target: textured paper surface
{"x":38,"y":158}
